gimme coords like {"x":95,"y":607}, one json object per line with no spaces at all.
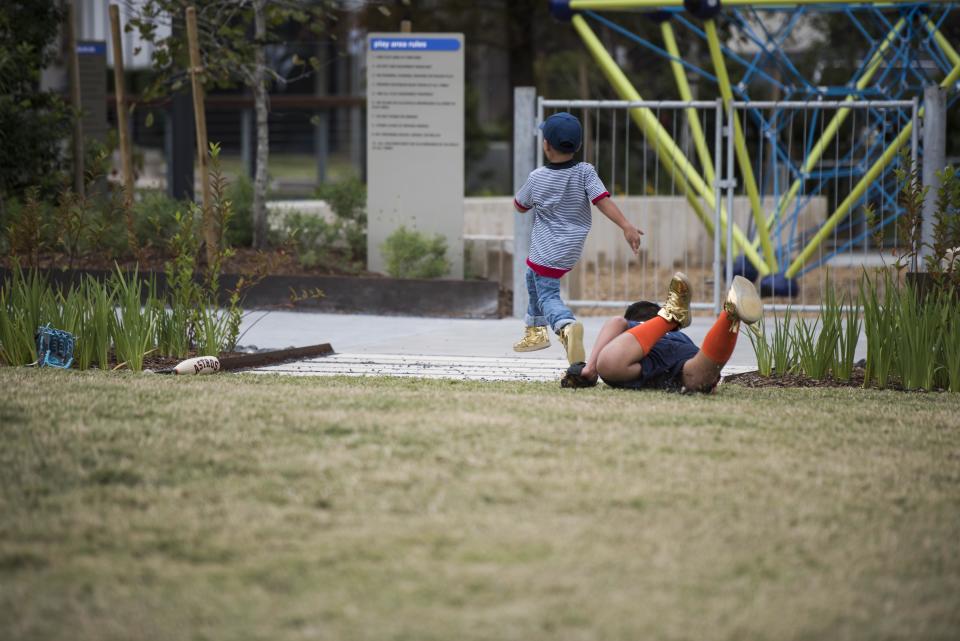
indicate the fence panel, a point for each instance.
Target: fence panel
{"x":812,"y":193}
{"x":826,"y":176}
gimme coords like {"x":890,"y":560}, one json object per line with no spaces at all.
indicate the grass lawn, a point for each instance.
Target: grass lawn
{"x":247,"y":507}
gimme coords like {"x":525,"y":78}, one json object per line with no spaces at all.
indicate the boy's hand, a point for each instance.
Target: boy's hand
{"x":632,"y":235}
{"x":609,"y":209}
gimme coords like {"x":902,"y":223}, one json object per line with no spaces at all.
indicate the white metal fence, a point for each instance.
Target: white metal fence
{"x":801,"y":179}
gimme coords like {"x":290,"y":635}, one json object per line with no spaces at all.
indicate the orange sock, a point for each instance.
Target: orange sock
{"x":720,"y":341}
{"x":649,"y":332}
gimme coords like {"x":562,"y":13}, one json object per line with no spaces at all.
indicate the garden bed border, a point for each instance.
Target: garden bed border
{"x":341,"y":294}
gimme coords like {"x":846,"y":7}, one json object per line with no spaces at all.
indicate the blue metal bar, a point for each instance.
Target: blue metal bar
{"x":860,"y":27}
{"x":763,"y":52}
{"x":726,"y":50}
{"x":878,"y":227}
{"x":649,"y":45}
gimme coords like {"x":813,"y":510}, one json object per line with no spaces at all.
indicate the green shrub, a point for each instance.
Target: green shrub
{"x":348,"y":201}
{"x":155,"y":217}
{"x":347,"y":198}
{"x":312,"y":237}
{"x":411,"y":254}
{"x":240,"y":228}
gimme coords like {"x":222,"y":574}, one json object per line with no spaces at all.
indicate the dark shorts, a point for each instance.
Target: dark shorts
{"x":662,"y":368}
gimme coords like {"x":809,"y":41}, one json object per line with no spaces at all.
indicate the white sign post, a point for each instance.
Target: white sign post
{"x":415,"y":140}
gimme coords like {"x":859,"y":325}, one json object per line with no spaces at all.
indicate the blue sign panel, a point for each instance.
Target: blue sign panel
{"x":414,"y":44}
{"x":97,"y":48}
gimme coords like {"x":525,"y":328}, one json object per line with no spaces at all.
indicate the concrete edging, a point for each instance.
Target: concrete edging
{"x":341,"y":294}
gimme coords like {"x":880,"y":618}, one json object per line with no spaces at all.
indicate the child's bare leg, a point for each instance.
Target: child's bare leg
{"x":702,"y":372}
{"x":610,"y":330}
{"x":620,"y":360}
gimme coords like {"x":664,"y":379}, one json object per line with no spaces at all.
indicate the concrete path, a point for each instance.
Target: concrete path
{"x":428,"y":347}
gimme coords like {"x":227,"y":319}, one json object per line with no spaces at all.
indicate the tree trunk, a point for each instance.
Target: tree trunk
{"x":263,"y":133}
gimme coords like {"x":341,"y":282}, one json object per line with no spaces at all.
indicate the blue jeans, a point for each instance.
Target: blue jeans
{"x":544,"y":307}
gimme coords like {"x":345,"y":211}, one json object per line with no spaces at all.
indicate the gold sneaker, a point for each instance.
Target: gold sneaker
{"x":571,"y":337}
{"x":534,"y":338}
{"x":743,"y":303}
{"x":677,"y":308}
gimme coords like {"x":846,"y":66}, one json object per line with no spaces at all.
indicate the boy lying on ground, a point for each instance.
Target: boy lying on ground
{"x":645,"y":350}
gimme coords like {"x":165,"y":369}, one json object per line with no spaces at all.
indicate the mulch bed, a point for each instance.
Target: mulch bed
{"x":754,"y":379}
{"x":163,"y":362}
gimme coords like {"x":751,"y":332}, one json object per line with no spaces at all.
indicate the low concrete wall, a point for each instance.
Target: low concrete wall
{"x":673,"y":235}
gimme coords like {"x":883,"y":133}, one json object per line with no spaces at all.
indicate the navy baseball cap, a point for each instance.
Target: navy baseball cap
{"x":562,"y":131}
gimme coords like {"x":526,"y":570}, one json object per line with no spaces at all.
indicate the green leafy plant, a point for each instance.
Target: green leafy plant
{"x":97,"y":325}
{"x":34,"y":123}
{"x":312,"y":237}
{"x":26,"y":228}
{"x":951,"y":347}
{"x":814,"y":349}
{"x":939,"y":257}
{"x":761,"y":348}
{"x":155,"y":214}
{"x":133,"y":330}
{"x":240,"y":229}
{"x":781,"y":346}
{"x":847,"y":343}
{"x":412,"y":254}
{"x":214,"y":331}
{"x":879,"y":325}
{"x":347,"y":198}
{"x":918,"y":335}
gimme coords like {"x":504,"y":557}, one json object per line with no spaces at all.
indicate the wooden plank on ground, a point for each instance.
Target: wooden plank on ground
{"x":261,"y":359}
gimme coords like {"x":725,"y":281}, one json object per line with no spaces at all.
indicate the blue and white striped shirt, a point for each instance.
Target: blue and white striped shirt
{"x":560,"y":196}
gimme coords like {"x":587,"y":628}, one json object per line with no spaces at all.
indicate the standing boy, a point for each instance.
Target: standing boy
{"x":560,"y":194}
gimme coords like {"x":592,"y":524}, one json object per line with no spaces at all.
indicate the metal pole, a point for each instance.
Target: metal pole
{"x":915,"y":131}
{"x":731,"y":184}
{"x":247,"y":154}
{"x":180,"y":134}
{"x":538,"y":150}
{"x":934,"y":160}
{"x":123,"y":127}
{"x":717,"y":146}
{"x":743,"y":157}
{"x":524,"y":152}
{"x":78,"y":152}
{"x":683,"y":87}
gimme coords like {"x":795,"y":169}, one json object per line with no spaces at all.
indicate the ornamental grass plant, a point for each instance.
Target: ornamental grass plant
{"x":133,"y":325}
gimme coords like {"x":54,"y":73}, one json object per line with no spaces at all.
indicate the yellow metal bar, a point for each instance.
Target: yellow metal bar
{"x":861,"y":186}
{"x":743,"y":158}
{"x":847,"y":203}
{"x":696,"y":131}
{"x":838,"y":119}
{"x":583,"y":5}
{"x":667,"y":151}
{"x":950,"y":52}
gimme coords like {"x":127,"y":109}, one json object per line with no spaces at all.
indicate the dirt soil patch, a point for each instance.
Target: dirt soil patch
{"x":755,"y":380}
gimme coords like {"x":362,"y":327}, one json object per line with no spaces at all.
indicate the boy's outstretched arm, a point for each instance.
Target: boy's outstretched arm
{"x":632,"y":235}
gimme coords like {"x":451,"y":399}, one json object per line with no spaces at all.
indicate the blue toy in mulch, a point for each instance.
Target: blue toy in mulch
{"x":54,"y":347}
